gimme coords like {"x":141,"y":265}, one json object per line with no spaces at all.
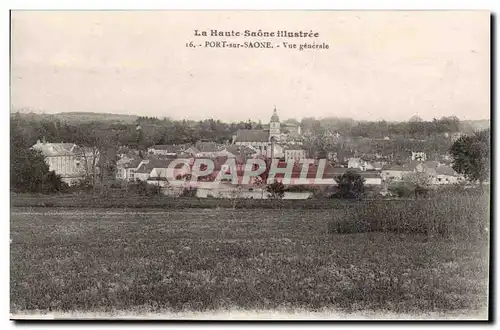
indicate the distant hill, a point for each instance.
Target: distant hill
{"x":476,"y":125}
{"x":94,"y":116}
{"x":81,"y":117}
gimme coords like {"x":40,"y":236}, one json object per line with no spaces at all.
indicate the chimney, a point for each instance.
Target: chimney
{"x":43,"y":140}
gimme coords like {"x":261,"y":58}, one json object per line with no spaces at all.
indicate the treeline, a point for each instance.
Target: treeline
{"x":415,"y":128}
{"x":152,"y":131}
{"x":156,"y":130}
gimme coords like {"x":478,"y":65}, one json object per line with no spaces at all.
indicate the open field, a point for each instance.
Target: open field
{"x":139,"y":202}
{"x":156,"y":260}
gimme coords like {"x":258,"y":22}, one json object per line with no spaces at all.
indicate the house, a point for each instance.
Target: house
{"x":368,"y":167}
{"x":370,"y":177}
{"x":152,"y":168}
{"x":292,"y":129}
{"x":233,"y":151}
{"x":192,"y":151}
{"x":207,"y":149}
{"x":142,"y":172}
{"x":257,"y":139}
{"x":355,"y":162}
{"x":126,"y":167}
{"x":68,"y":160}
{"x":358,"y":163}
{"x":420,"y":156}
{"x":393,"y":172}
{"x":221,"y":166}
{"x":167,"y":149}
{"x":294,"y":153}
{"x":326,"y":176}
{"x":446,"y":175}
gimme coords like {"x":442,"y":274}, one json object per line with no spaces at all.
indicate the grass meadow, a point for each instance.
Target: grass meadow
{"x":349,"y":260}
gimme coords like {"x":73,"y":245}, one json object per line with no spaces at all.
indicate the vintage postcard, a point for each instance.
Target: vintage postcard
{"x":256,"y":165}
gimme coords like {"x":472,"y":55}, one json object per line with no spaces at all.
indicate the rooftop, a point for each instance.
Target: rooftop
{"x":59,"y":149}
{"x":445,"y":170}
{"x":151,"y":163}
{"x":252,"y":135}
{"x":172,"y":148}
{"x":203,"y":146}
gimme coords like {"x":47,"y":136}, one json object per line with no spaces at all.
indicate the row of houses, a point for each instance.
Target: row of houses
{"x":437,"y":173}
{"x":73,"y":162}
{"x":156,"y":168}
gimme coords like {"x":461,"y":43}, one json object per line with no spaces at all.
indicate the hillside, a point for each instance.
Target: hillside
{"x":81,"y":117}
{"x":478,"y":124}
{"x":468,"y":126}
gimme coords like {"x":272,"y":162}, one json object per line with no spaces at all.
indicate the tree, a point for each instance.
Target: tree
{"x":261,"y":184}
{"x":471,"y":156}
{"x":318,"y":145}
{"x":350,"y":185}
{"x":259,"y":125}
{"x":30,"y":173}
{"x":97,"y":148}
{"x":28,"y":170}
{"x":276,"y":190}
{"x":417,"y":182}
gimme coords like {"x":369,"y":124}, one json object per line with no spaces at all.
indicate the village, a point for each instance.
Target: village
{"x":279,"y":142}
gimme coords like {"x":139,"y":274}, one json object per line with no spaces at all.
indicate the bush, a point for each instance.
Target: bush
{"x":188,"y":192}
{"x":116,"y":185}
{"x":446,"y":215}
{"x":401,"y":189}
{"x":276,"y":190}
{"x":350,"y":185}
{"x":373,"y":192}
{"x":299,"y":188}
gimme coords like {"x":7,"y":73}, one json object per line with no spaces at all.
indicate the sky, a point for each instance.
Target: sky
{"x":379,"y":65}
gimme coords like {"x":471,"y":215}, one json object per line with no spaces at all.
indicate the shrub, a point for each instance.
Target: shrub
{"x":401,"y":189}
{"x":276,"y":190}
{"x":349,"y":185}
{"x":298,"y":188}
{"x":449,"y":215}
{"x":188,"y":192}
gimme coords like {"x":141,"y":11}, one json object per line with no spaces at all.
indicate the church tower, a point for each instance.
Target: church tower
{"x":274,"y":125}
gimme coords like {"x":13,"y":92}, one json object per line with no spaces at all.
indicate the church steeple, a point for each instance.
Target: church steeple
{"x":274,"y":117}
{"x":274,"y":125}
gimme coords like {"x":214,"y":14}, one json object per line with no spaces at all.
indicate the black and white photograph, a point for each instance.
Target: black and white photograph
{"x":250,"y":165}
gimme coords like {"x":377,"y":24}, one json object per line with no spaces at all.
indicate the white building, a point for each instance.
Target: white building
{"x":295,"y":154}
{"x":420,"y":156}
{"x":68,"y":160}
